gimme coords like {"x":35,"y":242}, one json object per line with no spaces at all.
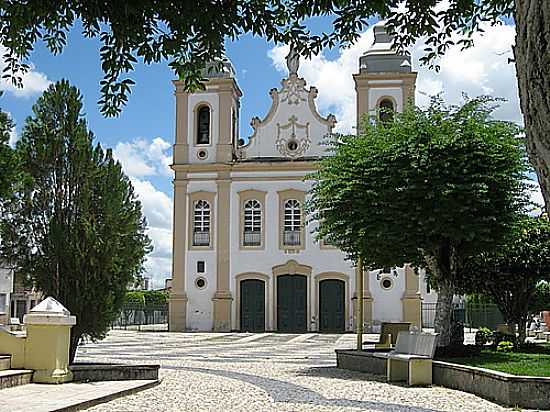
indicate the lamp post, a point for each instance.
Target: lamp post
{"x":359,"y":308}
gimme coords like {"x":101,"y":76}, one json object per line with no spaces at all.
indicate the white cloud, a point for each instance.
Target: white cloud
{"x":483,"y":69}
{"x":34,"y":82}
{"x":141,"y":157}
{"x":157,"y":208}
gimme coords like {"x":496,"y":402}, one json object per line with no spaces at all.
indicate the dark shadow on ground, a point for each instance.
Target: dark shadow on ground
{"x":281,"y":391}
{"x":335,"y":373}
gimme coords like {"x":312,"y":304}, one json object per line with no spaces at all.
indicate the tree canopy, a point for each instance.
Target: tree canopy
{"x":511,"y":274}
{"x":430,"y":188}
{"x":189,"y":34}
{"x":186,"y":35}
{"x":73,"y":227}
{"x":8,"y":158}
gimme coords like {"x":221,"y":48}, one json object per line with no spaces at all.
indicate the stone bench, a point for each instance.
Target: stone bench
{"x":411,"y":361}
{"x":388,"y":334}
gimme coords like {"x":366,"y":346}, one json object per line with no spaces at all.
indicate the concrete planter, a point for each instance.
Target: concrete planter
{"x":523,"y":391}
{"x":96,"y":372}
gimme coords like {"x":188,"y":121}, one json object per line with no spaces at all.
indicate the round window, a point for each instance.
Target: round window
{"x":202,"y":154}
{"x":292,"y":145}
{"x":386,"y":283}
{"x":200,"y":283}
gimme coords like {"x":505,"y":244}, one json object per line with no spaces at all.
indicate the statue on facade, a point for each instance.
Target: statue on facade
{"x":293,"y":61}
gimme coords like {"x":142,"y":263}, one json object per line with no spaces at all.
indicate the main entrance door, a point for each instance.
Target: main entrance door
{"x":332,"y":305}
{"x":292,"y":303}
{"x":252,"y":305}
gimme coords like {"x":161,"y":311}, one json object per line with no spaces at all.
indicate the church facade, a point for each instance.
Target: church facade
{"x":245,"y":256}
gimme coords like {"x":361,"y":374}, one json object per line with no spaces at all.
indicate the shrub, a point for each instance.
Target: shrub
{"x":483,"y":336}
{"x":499,"y":337}
{"x":505,"y":346}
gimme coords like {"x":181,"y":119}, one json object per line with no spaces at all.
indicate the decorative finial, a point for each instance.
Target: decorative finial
{"x":292,"y":61}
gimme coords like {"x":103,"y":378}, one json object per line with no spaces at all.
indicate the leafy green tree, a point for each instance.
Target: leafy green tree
{"x":511,"y":273}
{"x":8,"y":160}
{"x":431,"y":188}
{"x":147,"y":297}
{"x":541,"y":300}
{"x":188,"y":34}
{"x":75,"y":228}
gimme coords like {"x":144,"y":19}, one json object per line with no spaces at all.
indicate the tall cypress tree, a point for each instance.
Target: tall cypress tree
{"x":75,"y":228}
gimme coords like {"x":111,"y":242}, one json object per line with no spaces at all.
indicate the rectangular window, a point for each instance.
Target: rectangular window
{"x":252,"y":235}
{"x":3,"y":298}
{"x":292,"y":223}
{"x":201,"y":266}
{"x":201,"y":224}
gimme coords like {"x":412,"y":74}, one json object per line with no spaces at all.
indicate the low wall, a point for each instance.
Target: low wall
{"x":511,"y":390}
{"x":94,"y":372}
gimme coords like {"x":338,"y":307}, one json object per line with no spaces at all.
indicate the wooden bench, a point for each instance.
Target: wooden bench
{"x":388,"y":334}
{"x":411,"y":361}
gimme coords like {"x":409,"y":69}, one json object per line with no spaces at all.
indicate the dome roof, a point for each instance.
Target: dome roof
{"x":221,"y":67}
{"x":381,"y":57}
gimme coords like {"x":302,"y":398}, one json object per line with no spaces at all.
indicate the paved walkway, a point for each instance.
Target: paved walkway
{"x":262,"y":372}
{"x":47,"y":398}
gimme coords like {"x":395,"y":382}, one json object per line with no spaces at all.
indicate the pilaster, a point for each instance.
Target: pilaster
{"x":412,"y":300}
{"x":222,"y":298}
{"x":367,"y":299}
{"x":178,"y":297}
{"x":181,"y":148}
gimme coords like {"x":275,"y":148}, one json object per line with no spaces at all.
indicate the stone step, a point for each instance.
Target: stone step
{"x":15,"y":377}
{"x":5,"y":362}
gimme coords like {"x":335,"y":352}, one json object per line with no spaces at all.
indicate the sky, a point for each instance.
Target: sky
{"x":142,"y":136}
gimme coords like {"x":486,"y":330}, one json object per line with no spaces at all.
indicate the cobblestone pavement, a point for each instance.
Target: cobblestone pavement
{"x":260,"y":372}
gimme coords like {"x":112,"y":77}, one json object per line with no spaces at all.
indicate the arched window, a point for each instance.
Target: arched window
{"x":386,"y":110}
{"x":252,"y":223}
{"x":203,"y":125}
{"x":292,"y":223}
{"x":201,"y":223}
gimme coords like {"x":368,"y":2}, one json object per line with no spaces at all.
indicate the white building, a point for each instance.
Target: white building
{"x":6,"y":289}
{"x":244,"y":257}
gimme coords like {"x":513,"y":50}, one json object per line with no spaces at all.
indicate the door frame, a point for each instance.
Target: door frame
{"x":257,"y":276}
{"x":335,"y":276}
{"x":292,"y":267}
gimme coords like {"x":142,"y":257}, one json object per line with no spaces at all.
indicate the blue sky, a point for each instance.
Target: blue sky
{"x":143,"y":134}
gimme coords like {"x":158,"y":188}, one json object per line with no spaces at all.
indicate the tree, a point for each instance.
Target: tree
{"x":189,"y":34}
{"x":74,"y":228}
{"x":8,"y":159}
{"x":430,"y":188}
{"x":511,"y":273}
{"x":541,"y":300}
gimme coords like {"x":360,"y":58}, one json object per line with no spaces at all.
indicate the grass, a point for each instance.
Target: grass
{"x":530,"y":361}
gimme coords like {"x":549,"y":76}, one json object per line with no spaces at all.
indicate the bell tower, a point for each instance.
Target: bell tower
{"x":385,"y":79}
{"x":207,"y":121}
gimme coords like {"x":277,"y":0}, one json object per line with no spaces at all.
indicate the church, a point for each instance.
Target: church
{"x":245,"y":255}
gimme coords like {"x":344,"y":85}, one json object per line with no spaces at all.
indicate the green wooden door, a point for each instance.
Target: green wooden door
{"x":252,"y":305}
{"x":332,"y":306}
{"x":292,"y":303}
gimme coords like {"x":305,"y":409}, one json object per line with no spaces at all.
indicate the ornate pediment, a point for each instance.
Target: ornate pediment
{"x":293,"y":128}
{"x":293,"y":138}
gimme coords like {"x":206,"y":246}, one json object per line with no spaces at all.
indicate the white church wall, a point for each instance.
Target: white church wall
{"x":263,"y":261}
{"x":387,"y":306}
{"x":199,"y":314}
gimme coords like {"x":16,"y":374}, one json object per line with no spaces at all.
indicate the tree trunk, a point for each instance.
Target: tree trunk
{"x":522,"y":325}
{"x":532,"y":55}
{"x":444,"y":313}
{"x":75,"y":340}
